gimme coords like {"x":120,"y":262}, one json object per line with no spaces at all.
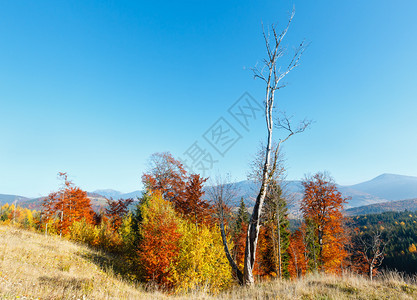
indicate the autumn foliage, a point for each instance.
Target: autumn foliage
{"x":160,"y":234}
{"x":116,"y":210}
{"x":176,"y":253}
{"x":66,"y":206}
{"x":326,"y":239}
{"x":298,"y":263}
{"x":168,"y":176}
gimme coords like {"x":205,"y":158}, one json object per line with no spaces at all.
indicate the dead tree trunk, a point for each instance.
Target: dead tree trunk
{"x":272,"y":78}
{"x":272,"y":75}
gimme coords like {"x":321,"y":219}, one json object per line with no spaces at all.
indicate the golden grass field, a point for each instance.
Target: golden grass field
{"x":33,"y":266}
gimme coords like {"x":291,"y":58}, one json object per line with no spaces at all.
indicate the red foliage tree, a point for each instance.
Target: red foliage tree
{"x":116,"y":210}
{"x":322,"y":207}
{"x":196,"y":208}
{"x":168,"y":176}
{"x":160,"y":239}
{"x":69,"y":204}
{"x":263,"y":266}
{"x":239,"y":242}
{"x":298,"y":262}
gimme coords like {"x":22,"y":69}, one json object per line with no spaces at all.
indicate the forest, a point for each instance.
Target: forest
{"x":399,"y":232}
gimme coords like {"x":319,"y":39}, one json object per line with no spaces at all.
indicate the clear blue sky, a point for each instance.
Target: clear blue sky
{"x":95,"y":87}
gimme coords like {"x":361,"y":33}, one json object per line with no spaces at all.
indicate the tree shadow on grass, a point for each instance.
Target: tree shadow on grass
{"x":113,"y":264}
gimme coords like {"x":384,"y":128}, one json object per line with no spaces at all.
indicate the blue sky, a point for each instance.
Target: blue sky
{"x":94,"y":88}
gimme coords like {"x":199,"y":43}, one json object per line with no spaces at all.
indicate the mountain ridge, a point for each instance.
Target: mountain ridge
{"x":384,"y":188}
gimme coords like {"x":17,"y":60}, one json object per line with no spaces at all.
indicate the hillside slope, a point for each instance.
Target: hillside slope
{"x":39,"y":267}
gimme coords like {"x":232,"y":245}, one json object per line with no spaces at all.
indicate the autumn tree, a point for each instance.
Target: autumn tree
{"x":322,"y":206}
{"x":197,"y":209}
{"x":201,"y":261}
{"x":167,"y":175}
{"x":68,"y":205}
{"x":177,"y":253}
{"x":298,"y":259}
{"x":116,"y":210}
{"x":159,"y":246}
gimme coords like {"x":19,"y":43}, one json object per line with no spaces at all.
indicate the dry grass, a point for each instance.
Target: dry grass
{"x":33,"y":266}
{"x":322,"y":286}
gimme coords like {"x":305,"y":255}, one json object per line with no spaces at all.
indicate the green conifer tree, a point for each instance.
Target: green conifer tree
{"x":242,"y":217}
{"x":277,"y":231}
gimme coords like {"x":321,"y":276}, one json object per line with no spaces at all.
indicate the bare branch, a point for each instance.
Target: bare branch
{"x":271,"y":75}
{"x":221,"y":194}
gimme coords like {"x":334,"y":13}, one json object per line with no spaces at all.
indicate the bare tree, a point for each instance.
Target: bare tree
{"x":272,"y":75}
{"x":372,"y":247}
{"x":222,"y":194}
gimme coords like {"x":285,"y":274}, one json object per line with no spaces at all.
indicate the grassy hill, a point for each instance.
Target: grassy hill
{"x":33,"y":266}
{"x":39,"y":267}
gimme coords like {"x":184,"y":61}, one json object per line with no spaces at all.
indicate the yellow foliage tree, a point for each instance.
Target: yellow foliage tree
{"x":201,"y":260}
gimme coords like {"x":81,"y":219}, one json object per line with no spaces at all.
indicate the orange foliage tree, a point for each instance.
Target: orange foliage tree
{"x":185,"y":192}
{"x":198,"y":210}
{"x":297,"y":251}
{"x":264,"y":266}
{"x":160,"y":234}
{"x":116,"y":210}
{"x":68,"y":205}
{"x":168,"y":176}
{"x":322,"y":207}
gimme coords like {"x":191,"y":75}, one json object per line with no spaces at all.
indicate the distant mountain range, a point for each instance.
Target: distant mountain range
{"x":397,"y":205}
{"x":384,"y":188}
{"x":109,"y":193}
{"x":374,"y":195}
{"x":98,"y":198}
{"x":11,"y":199}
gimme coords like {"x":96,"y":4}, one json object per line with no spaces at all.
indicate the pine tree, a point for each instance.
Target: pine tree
{"x":277,"y":231}
{"x":242,"y":217}
{"x":239,"y":228}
